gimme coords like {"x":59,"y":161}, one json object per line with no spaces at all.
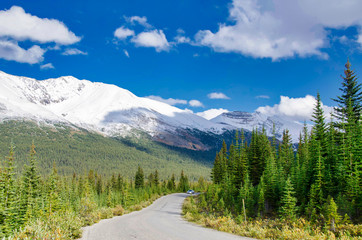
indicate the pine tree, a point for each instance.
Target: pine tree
{"x":261,"y":197}
{"x":9,"y":199}
{"x":246,"y":193}
{"x":351,"y":94}
{"x":31,"y":188}
{"x":171,"y":185}
{"x":319,"y":127}
{"x":286,"y":154}
{"x":156,"y":180}
{"x":54,"y":192}
{"x":99,"y":185}
{"x":316,"y":196}
{"x":151,"y":179}
{"x":184,"y":182}
{"x":139,"y":178}
{"x":332,"y":214}
{"x":288,"y":202}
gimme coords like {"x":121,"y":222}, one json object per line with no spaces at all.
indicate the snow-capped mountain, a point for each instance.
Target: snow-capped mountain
{"x":113,"y":111}
{"x":257,"y":120}
{"x":100,"y":107}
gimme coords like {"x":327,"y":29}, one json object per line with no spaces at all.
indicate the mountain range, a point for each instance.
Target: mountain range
{"x":113,"y":111}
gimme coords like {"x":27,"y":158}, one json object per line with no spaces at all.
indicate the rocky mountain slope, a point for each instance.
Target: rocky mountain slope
{"x":114,"y":111}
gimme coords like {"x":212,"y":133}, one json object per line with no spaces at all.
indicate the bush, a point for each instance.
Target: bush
{"x":57,"y":226}
{"x":118,"y":210}
{"x":267,"y":228}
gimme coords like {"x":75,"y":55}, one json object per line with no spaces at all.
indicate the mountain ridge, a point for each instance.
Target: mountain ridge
{"x":113,"y":111}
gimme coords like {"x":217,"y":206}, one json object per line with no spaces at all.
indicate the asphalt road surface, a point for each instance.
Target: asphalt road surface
{"x":160,"y":221}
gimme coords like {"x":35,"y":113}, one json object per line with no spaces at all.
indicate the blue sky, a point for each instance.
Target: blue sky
{"x":235,"y":55}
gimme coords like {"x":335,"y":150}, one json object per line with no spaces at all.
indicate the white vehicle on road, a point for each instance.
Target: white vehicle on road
{"x":190,"y":191}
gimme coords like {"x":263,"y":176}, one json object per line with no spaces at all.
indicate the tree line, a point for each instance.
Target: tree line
{"x":319,"y":180}
{"x":56,"y":207}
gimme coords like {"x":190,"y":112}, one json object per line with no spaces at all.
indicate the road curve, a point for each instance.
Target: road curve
{"x":160,"y":221}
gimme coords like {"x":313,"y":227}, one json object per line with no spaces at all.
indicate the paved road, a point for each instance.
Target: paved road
{"x":160,"y":221}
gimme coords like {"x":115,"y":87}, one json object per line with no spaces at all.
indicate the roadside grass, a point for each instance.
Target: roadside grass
{"x":67,"y":225}
{"x":267,"y":228}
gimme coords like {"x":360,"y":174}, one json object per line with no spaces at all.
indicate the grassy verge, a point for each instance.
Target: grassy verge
{"x":266,"y":228}
{"x":67,"y":225}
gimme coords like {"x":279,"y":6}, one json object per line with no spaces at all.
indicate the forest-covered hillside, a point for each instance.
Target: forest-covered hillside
{"x":74,"y":150}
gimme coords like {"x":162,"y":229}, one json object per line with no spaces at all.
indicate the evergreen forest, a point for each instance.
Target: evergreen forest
{"x":318,"y":181}
{"x":33,"y":206}
{"x":77,"y":151}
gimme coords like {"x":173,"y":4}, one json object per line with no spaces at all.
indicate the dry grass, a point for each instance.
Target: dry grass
{"x":65,"y":226}
{"x":268,"y":229}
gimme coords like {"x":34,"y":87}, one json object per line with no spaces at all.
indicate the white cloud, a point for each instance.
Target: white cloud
{"x":182,"y":39}
{"x":123,"y":33}
{"x":195,"y":103}
{"x":298,"y":109}
{"x":262,"y":97}
{"x":217,"y":95}
{"x":10,"y":50}
{"x":281,"y":28}
{"x":126,"y":53}
{"x":149,"y":37}
{"x":170,"y":101}
{"x":211,"y":113}
{"x":173,"y":101}
{"x":73,"y":51}
{"x":18,"y":25}
{"x":47,"y":66}
{"x":359,"y":39}
{"x":140,"y":20}
{"x":155,"y":38}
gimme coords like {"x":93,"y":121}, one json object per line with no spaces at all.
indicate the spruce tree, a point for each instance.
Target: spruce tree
{"x":54,"y":192}
{"x":319,"y":127}
{"x":332,"y":214}
{"x":10,"y":202}
{"x":288,"y":202}
{"x":351,"y":94}
{"x":261,"y":197}
{"x":31,"y":188}
{"x":286,"y":154}
{"x":184,"y":182}
{"x":139,"y":178}
{"x":156,"y":179}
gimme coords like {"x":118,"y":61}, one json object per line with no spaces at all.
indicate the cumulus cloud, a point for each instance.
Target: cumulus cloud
{"x":181,"y":38}
{"x":281,"y":28}
{"x":170,"y":101}
{"x":217,"y":95}
{"x":19,"y":25}
{"x":47,"y":66}
{"x":359,"y":40}
{"x":10,"y":50}
{"x":123,"y":33}
{"x":298,"y":109}
{"x":262,"y":97}
{"x":195,"y":103}
{"x":73,"y":51}
{"x":155,"y":39}
{"x":149,"y":37}
{"x":140,"y":20}
{"x":211,"y":113}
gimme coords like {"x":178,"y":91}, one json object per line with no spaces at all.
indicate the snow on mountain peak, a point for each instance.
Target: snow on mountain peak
{"x":258,"y":120}
{"x":113,"y":110}
{"x":94,"y":105}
